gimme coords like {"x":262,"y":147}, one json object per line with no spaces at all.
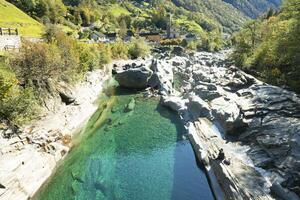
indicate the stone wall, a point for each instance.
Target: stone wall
{"x":10,"y":41}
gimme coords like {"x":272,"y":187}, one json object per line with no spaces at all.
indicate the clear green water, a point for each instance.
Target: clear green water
{"x":136,"y":155}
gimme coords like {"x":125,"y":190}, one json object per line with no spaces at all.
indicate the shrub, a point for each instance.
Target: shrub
{"x":138,"y":48}
{"x":119,"y":49}
{"x":17,"y":105}
{"x":105,"y":54}
{"x":193,"y":45}
{"x":37,"y":62}
{"x":171,"y":42}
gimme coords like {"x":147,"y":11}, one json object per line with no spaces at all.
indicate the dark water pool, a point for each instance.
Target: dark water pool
{"x":130,"y":155}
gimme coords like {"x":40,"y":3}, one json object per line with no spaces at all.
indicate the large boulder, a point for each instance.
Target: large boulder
{"x":198,"y":108}
{"x":207,"y":91}
{"x":134,"y":77}
{"x":173,"y":102}
{"x":228,"y":113}
{"x":162,"y":77}
{"x":178,"y":51}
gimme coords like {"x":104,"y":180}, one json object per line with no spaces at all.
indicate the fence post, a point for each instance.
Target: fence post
{"x":1,"y":31}
{"x":9,"y":31}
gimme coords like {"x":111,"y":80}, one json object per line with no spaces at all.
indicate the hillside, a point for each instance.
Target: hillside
{"x":12,"y":17}
{"x":230,"y":18}
{"x":254,"y":8}
{"x":269,"y":47}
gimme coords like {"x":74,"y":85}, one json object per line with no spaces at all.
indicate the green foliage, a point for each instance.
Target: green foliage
{"x":138,"y":48}
{"x":104,"y":53}
{"x":37,"y":62}
{"x":271,"y":46}
{"x":119,"y":50}
{"x":60,"y":58}
{"x":17,"y":105}
{"x":159,"y":17}
{"x":54,"y":10}
{"x":254,"y":8}
{"x":123,"y":29}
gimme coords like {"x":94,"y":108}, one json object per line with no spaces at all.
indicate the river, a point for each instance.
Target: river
{"x":126,"y":154}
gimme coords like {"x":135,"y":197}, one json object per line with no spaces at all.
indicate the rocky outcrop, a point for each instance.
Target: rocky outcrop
{"x":150,"y":73}
{"x":227,"y":113}
{"x":134,"y":77}
{"x":263,"y":119}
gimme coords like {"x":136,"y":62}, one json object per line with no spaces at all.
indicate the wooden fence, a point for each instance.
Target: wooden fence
{"x":9,"y":31}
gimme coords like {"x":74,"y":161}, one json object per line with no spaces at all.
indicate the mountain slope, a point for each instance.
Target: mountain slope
{"x":229,"y":17}
{"x":254,"y":8}
{"x":12,"y":17}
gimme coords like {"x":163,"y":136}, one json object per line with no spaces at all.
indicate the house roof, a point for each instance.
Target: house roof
{"x":190,"y":35}
{"x":111,"y":34}
{"x":149,"y":34}
{"x":98,"y":34}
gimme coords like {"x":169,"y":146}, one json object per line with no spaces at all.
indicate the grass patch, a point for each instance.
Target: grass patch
{"x":189,"y":25}
{"x":116,"y":10}
{"x":12,"y":17}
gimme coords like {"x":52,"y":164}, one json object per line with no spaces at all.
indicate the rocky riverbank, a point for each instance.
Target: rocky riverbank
{"x":256,"y":124}
{"x":28,"y":158}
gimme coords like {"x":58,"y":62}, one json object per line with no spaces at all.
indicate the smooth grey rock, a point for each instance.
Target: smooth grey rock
{"x":207,"y":91}
{"x":198,"y":108}
{"x":282,"y":193}
{"x":227,"y":113}
{"x":130,"y":106}
{"x":66,"y":98}
{"x":173,"y":102}
{"x":162,"y":77}
{"x":134,"y":77}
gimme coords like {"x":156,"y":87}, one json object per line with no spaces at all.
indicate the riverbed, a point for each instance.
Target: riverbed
{"x":131,"y":148}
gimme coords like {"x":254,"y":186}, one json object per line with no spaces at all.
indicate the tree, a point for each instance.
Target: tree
{"x":123,"y":29}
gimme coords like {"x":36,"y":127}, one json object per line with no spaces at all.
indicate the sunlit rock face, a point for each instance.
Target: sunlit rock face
{"x":265,"y":117}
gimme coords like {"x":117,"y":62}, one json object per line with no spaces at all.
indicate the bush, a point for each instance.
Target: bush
{"x":36,"y":62}
{"x":172,"y":42}
{"x":17,"y":105}
{"x":193,"y":45}
{"x":119,"y":50}
{"x":105,"y":54}
{"x":138,"y":48}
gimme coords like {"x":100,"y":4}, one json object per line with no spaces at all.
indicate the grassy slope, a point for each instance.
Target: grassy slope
{"x":116,"y":10}
{"x":12,"y":17}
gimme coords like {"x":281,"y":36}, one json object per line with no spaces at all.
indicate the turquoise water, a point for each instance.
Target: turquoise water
{"x":129,"y":155}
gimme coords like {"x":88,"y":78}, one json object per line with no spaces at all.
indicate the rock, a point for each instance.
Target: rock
{"x":162,"y":78}
{"x":178,"y":51}
{"x":134,"y":77}
{"x":2,"y":186}
{"x":130,"y":106}
{"x":207,"y":91}
{"x":66,"y":98}
{"x":8,"y":133}
{"x":198,"y":108}
{"x":282,"y":193}
{"x":173,"y":102}
{"x":227,"y":113}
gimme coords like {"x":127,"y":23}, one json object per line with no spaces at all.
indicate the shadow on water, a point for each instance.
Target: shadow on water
{"x":189,"y":178}
{"x":120,"y":91}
